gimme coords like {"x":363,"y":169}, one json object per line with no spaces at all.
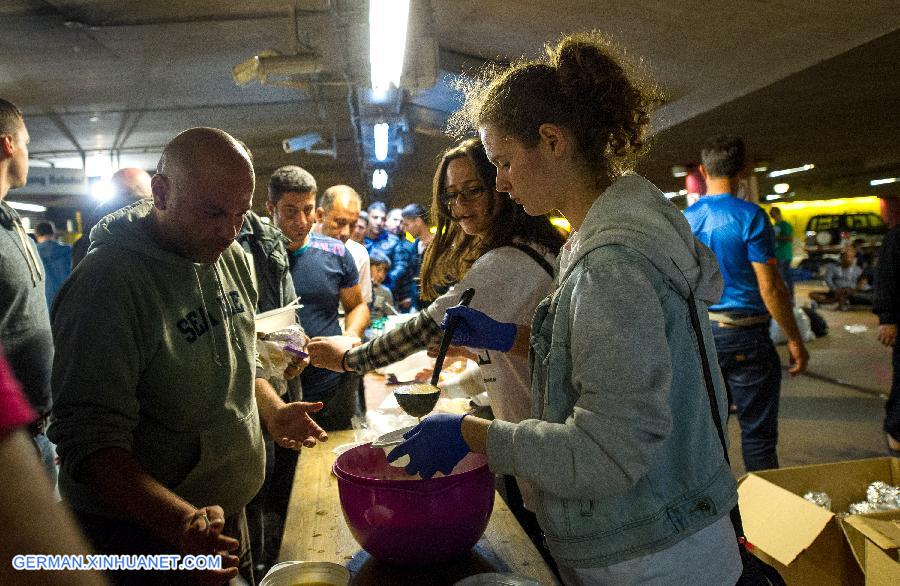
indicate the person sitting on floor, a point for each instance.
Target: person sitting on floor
{"x":842,"y":279}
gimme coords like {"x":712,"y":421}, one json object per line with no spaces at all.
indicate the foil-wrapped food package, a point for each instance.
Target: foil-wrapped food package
{"x":820,"y":499}
{"x":292,"y":340}
{"x":880,"y":496}
{"x":278,"y":350}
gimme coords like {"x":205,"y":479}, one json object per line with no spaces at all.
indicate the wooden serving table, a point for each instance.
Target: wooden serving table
{"x":315,"y":530}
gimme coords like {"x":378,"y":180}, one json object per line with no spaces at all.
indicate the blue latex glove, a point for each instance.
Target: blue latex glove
{"x":434,"y":445}
{"x":476,"y":330}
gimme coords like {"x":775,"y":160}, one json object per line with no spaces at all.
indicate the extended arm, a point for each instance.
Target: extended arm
{"x":778,"y":301}
{"x":338,"y":354}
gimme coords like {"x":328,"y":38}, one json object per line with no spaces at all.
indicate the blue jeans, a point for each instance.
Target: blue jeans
{"x":892,"y":407}
{"x":47,"y":452}
{"x":752,"y":372}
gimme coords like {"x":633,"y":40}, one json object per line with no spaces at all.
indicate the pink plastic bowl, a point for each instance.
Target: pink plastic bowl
{"x":406,"y":520}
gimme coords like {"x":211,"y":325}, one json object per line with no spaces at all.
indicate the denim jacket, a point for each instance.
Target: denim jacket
{"x":622,"y":445}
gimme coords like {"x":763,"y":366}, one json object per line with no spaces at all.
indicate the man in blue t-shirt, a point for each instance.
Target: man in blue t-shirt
{"x":325,"y":275}
{"x":740,"y":235}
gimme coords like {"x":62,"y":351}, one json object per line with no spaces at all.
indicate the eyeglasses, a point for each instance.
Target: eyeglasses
{"x":469,"y":194}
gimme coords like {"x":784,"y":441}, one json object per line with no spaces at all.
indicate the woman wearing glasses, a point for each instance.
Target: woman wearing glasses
{"x":483,"y":241}
{"x":633,"y":484}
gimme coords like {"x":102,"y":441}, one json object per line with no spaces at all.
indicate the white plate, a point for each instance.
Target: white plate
{"x":391,"y":438}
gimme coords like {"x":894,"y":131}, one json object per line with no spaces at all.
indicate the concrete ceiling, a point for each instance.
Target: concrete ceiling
{"x":803,"y":82}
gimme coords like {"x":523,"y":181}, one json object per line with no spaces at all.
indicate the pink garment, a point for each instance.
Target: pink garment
{"x":15,"y":412}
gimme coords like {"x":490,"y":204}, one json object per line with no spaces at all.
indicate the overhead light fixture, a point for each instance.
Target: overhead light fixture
{"x":670,"y":194}
{"x":884,"y":181}
{"x":304,"y":142}
{"x":781,"y":187}
{"x":792,"y":170}
{"x":26,"y":207}
{"x":379,"y":179}
{"x":679,"y":171}
{"x":772,"y":197}
{"x":387,"y":43}
{"x":381,"y":140}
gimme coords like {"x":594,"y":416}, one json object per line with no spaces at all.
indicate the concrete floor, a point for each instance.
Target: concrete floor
{"x":835,"y":411}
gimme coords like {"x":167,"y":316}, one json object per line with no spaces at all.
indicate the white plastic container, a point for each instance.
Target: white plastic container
{"x":299,"y":573}
{"x":277,"y":319}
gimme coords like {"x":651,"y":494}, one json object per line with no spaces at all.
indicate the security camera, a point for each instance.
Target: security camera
{"x":304,"y":142}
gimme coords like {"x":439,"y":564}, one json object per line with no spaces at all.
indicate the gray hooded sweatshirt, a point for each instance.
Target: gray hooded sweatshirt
{"x":621,"y":434}
{"x":156,"y":355}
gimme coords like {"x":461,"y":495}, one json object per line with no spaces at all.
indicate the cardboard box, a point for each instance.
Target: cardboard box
{"x":874,"y":540}
{"x":803,"y":541}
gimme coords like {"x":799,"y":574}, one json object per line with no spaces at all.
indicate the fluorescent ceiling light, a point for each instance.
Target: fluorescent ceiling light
{"x":772,"y":197}
{"x":381,"y":141}
{"x":760,"y":169}
{"x":387,"y":42}
{"x":26,"y":207}
{"x":671,"y":194}
{"x":884,"y":181}
{"x":379,"y":179}
{"x":781,"y":187}
{"x":679,"y":171}
{"x":781,"y":172}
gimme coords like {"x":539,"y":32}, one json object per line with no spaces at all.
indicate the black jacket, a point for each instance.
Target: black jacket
{"x":887,"y":280}
{"x":266,"y":244}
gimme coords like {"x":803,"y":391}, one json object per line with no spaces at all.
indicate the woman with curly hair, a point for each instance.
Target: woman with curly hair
{"x":487,"y":242}
{"x":633,"y":486}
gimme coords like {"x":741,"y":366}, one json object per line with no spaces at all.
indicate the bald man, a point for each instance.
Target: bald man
{"x":336,"y":216}
{"x":158,"y":407}
{"x":129,"y":185}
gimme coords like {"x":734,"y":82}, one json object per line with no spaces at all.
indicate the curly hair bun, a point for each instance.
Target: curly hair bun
{"x":584,"y":85}
{"x":583,"y":66}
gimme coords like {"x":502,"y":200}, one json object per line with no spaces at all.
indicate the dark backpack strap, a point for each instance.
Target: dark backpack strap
{"x":548,"y":268}
{"x":714,"y":409}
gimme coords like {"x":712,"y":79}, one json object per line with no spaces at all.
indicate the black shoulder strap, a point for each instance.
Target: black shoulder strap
{"x":548,"y":268}
{"x":714,"y":409}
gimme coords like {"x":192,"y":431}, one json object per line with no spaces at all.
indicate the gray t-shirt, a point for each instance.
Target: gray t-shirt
{"x":709,"y":556}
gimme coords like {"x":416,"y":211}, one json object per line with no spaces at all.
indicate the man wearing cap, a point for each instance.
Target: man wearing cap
{"x":414,"y":222}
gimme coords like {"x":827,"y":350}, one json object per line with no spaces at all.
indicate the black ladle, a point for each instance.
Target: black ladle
{"x":465,"y":299}
{"x":418,"y":404}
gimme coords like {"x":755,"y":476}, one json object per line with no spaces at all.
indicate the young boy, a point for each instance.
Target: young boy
{"x":382,"y":299}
